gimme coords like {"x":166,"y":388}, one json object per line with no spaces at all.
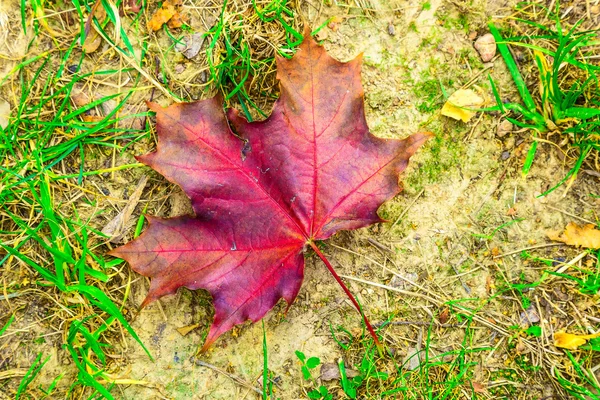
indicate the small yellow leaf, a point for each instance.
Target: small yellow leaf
{"x":571,"y":341}
{"x":581,"y":236}
{"x":460,"y":104}
{"x":168,"y":11}
{"x":184,"y":330}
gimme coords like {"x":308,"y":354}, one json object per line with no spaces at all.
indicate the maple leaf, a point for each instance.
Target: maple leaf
{"x":309,"y":170}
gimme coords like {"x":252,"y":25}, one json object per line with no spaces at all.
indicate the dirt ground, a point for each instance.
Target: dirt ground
{"x":465,"y":182}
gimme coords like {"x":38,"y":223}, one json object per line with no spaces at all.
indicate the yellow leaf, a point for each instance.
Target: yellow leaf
{"x":460,"y":104}
{"x":581,"y":236}
{"x":168,"y":11}
{"x":184,"y":330}
{"x":571,"y":341}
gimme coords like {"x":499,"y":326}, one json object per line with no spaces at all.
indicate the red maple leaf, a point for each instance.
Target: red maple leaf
{"x":262,"y":197}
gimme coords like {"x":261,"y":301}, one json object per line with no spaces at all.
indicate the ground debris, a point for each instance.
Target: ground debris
{"x":167,"y":14}
{"x":586,"y":236}
{"x":4,"y":113}
{"x":117,"y":227}
{"x":331,"y":372}
{"x":412,"y":360}
{"x":191,"y":45}
{"x":529,"y":316}
{"x":461,"y":104}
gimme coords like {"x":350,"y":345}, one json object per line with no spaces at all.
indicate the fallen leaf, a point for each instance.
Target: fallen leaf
{"x":4,"y":113}
{"x":91,"y":118}
{"x":571,"y":341}
{"x":478,"y":387}
{"x":331,"y":372}
{"x":184,"y":330}
{"x":115,"y":229}
{"x":191,"y":45}
{"x":529,"y":316}
{"x":79,"y":98}
{"x":444,"y":315}
{"x":132,"y":6}
{"x":177,"y":21}
{"x":412,"y":359}
{"x":92,"y":39}
{"x":169,"y":10}
{"x":460,"y":104}
{"x":587,"y":236}
{"x":308,"y":171}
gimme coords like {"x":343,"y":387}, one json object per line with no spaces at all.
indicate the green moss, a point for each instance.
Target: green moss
{"x":458,"y":22}
{"x":429,"y":93}
{"x":440,"y":155}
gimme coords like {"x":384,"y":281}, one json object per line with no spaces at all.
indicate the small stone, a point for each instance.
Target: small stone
{"x":391,"y":30}
{"x":504,"y":128}
{"x":505,"y":155}
{"x":472,"y":35}
{"x":486,"y":47}
{"x":179,"y":68}
{"x":595,"y":9}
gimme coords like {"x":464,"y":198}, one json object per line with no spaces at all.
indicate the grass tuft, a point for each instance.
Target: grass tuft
{"x":565,"y":107}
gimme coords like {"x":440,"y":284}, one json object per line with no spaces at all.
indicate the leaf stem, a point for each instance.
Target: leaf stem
{"x":346,"y":290}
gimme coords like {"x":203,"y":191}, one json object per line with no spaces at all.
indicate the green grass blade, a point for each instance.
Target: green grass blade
{"x":513,"y":69}
{"x":31,"y":374}
{"x":101,"y":300}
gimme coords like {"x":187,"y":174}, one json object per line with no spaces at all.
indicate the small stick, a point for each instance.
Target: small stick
{"x":539,"y":246}
{"x":408,"y":208}
{"x":571,"y":215}
{"x":418,"y":323}
{"x":393,"y":289}
{"x":380,"y":246}
{"x":454,"y":267}
{"x":234,"y":378}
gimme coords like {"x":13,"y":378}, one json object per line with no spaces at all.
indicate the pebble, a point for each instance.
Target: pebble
{"x":486,"y":47}
{"x":505,"y":127}
{"x":391,"y":30}
{"x":179,"y":68}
